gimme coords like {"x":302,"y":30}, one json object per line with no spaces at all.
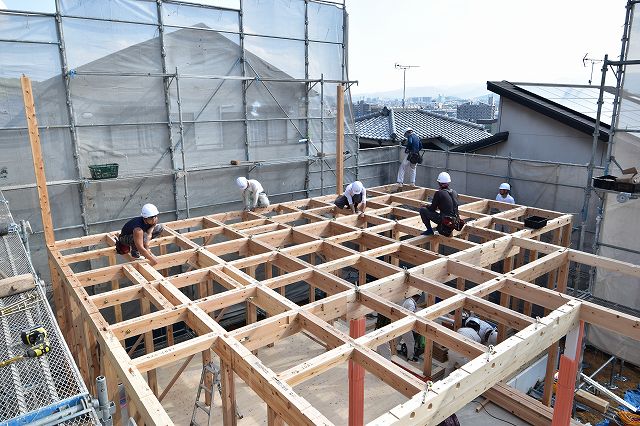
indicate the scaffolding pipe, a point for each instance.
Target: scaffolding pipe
{"x":322,"y":134}
{"x":72,"y":119}
{"x":166,"y":84}
{"x":185,"y":173}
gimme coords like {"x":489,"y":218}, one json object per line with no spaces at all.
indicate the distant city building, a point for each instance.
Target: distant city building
{"x":471,"y":111}
{"x":361,"y":108}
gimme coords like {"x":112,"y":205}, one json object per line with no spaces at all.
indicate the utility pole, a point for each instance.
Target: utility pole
{"x":404,"y":69}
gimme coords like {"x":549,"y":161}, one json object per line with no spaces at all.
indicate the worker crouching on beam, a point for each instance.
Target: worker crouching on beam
{"x":137,"y":232}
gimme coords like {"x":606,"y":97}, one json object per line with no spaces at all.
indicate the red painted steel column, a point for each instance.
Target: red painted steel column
{"x":356,"y":379}
{"x":567,"y":378}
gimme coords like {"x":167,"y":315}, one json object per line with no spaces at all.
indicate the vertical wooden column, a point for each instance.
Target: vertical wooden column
{"x":228,"y":394}
{"x":339,"y":138}
{"x":115,"y":284}
{"x":505,"y":300}
{"x":149,"y":347}
{"x":273,"y":419}
{"x":312,"y":289}
{"x":396,"y":236}
{"x":567,"y":377}
{"x":428,"y":345}
{"x":43,"y":195}
{"x":356,"y":379}
{"x":458,"y":312}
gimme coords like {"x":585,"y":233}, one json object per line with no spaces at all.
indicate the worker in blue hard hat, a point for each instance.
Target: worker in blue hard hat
{"x":137,"y":232}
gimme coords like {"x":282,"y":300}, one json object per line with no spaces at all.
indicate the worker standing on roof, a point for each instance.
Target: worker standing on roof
{"x":411,"y":161}
{"x":253,"y":194}
{"x":355,"y":196}
{"x":504,"y":195}
{"x":137,"y":232}
{"x":443,"y":210}
{"x":410,"y":337}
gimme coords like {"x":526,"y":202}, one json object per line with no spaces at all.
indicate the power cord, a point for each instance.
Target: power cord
{"x":495,"y":417}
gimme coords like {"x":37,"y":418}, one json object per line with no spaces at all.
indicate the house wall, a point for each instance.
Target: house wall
{"x":535,"y":136}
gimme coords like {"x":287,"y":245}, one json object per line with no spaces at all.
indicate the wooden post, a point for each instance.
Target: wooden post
{"x":115,"y":284}
{"x":458,"y":312}
{"x":273,"y":419}
{"x":428,"y":344}
{"x":356,"y":379}
{"x":228,"y":394}
{"x":149,"y":347}
{"x":43,"y":194}
{"x":339,"y":138}
{"x":567,"y":377}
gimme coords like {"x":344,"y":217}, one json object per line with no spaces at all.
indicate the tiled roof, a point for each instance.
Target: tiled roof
{"x":389,"y":125}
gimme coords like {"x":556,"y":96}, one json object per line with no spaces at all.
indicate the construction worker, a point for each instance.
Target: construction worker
{"x":411,"y":161}
{"x":456,"y":360}
{"x":253,"y":194}
{"x":410,"y":337}
{"x":354,"y":196}
{"x":504,"y":195}
{"x":487,"y":332}
{"x":443,"y":210}
{"x":137,"y":232}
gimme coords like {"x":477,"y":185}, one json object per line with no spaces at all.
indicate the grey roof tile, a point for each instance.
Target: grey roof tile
{"x":427,"y":124}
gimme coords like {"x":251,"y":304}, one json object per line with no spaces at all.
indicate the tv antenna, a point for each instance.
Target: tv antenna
{"x":592,"y":61}
{"x":404,"y":69}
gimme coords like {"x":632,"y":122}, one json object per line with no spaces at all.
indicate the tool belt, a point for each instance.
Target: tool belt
{"x":452,"y":223}
{"x":122,"y":248}
{"x":414,"y":158}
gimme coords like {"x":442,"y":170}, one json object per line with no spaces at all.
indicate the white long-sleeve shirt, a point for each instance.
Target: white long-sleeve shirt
{"x":508,"y":199}
{"x":251,"y":193}
{"x":348,"y":192}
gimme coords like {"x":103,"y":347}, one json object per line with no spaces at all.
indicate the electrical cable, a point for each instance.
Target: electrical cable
{"x":491,"y":415}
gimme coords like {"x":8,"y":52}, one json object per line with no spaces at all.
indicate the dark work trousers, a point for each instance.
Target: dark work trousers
{"x":343,"y":203}
{"x":428,"y":216}
{"x":128,"y":239}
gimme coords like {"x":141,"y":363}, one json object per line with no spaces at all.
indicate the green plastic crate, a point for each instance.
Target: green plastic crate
{"x":104,"y":171}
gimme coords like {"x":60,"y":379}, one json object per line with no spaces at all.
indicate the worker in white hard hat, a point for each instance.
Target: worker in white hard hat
{"x":253,"y":194}
{"x":137,"y":232}
{"x":504,"y":194}
{"x":354,"y":197}
{"x":487,"y":332}
{"x":413,"y":158}
{"x":456,"y":360}
{"x":443,"y":210}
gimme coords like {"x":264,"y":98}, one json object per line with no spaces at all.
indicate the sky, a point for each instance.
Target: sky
{"x":464,"y":43}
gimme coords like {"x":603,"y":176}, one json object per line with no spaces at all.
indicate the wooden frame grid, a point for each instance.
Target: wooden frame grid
{"x":363,"y":265}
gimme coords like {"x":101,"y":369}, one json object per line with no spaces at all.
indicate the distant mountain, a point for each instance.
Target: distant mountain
{"x":463,"y":91}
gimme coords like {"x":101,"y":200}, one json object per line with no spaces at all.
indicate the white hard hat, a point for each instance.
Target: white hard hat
{"x":505,"y":186}
{"x":242,"y":182}
{"x":357,"y":187}
{"x":409,"y":129}
{"x":149,"y":210}
{"x":444,"y":177}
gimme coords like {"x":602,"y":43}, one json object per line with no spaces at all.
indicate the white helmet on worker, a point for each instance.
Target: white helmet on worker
{"x":444,"y":177}
{"x":357,"y":187}
{"x":149,"y":210}
{"x":242,"y":182}
{"x":409,"y":129}
{"x":506,"y":186}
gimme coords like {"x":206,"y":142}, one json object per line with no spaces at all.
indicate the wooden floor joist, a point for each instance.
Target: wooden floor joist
{"x":359,"y":265}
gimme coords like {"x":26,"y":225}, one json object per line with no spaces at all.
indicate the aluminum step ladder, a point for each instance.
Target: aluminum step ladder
{"x":212,"y":369}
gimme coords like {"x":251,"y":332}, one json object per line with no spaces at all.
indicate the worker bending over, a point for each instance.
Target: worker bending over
{"x":355,"y":196}
{"x":443,"y":210}
{"x":504,"y":194}
{"x":410,"y":337}
{"x":456,"y":360}
{"x":487,"y":332}
{"x":253,"y":194}
{"x":137,"y":232}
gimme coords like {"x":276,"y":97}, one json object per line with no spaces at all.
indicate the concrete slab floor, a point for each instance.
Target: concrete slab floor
{"x":327,"y":392}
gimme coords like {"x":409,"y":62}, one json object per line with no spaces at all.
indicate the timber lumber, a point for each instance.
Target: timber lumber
{"x":17,"y":284}
{"x":363,"y":265}
{"x":589,"y":399}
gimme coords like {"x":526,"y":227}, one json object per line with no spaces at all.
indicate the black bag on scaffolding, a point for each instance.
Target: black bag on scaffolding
{"x":414,"y":158}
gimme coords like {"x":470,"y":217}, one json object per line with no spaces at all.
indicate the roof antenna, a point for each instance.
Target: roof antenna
{"x":404,"y":69}
{"x":593,"y":62}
